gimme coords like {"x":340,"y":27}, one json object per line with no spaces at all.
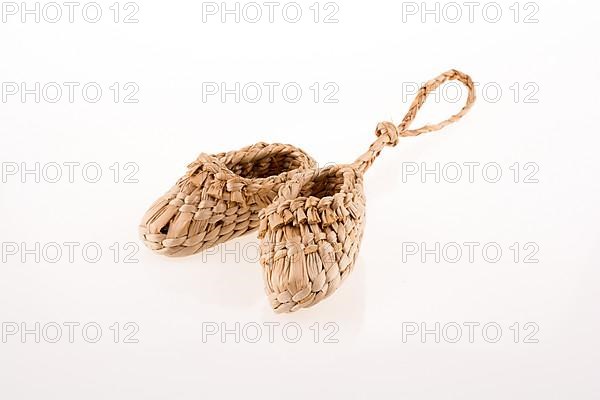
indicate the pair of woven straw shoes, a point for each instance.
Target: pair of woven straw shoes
{"x":310,"y":221}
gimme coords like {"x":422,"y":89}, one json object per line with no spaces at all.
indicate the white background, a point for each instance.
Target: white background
{"x":372,"y":54}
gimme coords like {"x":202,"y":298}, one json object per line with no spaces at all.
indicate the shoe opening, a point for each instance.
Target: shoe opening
{"x":270,"y":165}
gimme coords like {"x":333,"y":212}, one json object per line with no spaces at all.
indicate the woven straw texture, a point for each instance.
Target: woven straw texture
{"x":219,"y":198}
{"x":311,"y":233}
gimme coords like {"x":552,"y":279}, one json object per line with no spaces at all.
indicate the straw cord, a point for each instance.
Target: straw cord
{"x":388,"y":133}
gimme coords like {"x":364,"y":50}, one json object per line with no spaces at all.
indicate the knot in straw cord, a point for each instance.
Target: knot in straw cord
{"x":388,"y":133}
{"x":390,"y":130}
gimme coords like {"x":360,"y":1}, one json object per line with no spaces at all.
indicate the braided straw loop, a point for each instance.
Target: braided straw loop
{"x":219,"y":198}
{"x":311,"y":233}
{"x":387,"y":133}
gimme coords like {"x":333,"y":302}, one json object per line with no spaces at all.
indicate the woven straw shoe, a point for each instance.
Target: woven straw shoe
{"x":311,"y":233}
{"x":219,"y":198}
